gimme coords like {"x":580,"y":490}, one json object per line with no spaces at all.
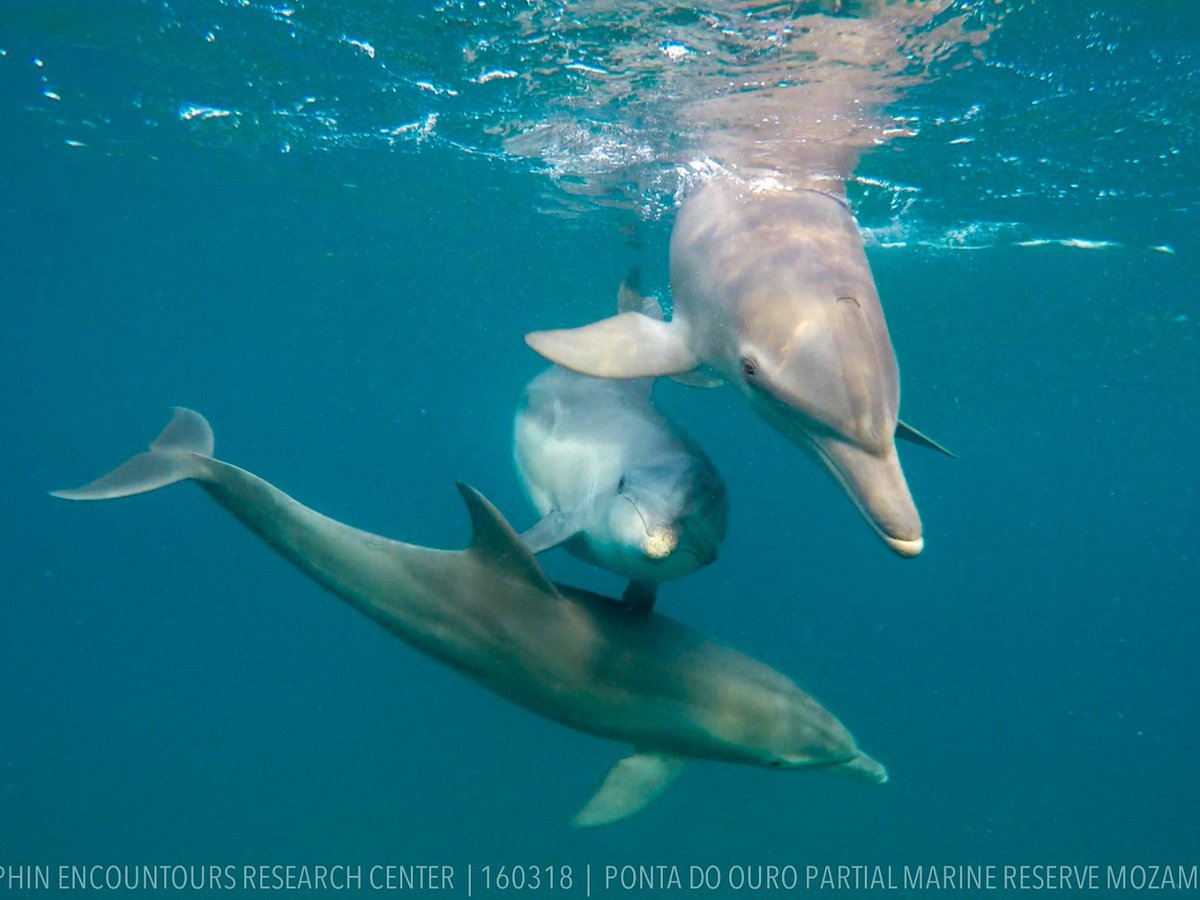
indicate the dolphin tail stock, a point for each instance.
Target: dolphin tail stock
{"x":171,"y":457}
{"x":906,"y":432}
{"x":630,"y":785}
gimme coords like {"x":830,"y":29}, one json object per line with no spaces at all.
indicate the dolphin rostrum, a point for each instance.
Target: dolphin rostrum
{"x":772,"y":292}
{"x":615,"y":481}
{"x":489,"y":611}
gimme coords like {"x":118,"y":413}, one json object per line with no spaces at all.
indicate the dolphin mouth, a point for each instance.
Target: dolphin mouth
{"x":661,"y":540}
{"x":856,"y":764}
{"x":864,"y":768}
{"x":878,"y":488}
{"x":875,"y":483}
{"x":907,"y":549}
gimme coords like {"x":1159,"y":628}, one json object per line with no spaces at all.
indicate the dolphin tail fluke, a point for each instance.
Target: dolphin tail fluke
{"x":171,"y":458}
{"x":631,"y":784}
{"x":627,"y":345}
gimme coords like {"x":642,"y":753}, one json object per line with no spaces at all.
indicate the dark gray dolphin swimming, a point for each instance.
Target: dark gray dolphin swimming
{"x":772,"y":292}
{"x":489,"y":611}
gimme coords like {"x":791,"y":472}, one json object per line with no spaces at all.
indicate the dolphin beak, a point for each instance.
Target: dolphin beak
{"x":907,"y":549}
{"x":876,"y":485}
{"x":866,"y":769}
{"x":660,"y":541}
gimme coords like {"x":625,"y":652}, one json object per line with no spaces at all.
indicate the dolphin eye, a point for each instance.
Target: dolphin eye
{"x":621,"y":484}
{"x":749,"y":367}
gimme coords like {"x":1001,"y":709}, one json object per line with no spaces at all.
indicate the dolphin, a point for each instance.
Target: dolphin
{"x":489,"y":611}
{"x":614,"y":480}
{"x":616,"y":483}
{"x":772,"y":293}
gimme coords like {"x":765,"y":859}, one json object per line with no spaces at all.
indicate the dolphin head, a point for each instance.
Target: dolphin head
{"x":815,"y":359}
{"x":869,"y":472}
{"x":807,"y":736}
{"x":672,"y":516}
{"x":793,"y":731}
{"x":779,"y":291}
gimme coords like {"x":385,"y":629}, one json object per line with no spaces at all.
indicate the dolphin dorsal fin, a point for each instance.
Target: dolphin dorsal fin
{"x":493,"y":538}
{"x":630,"y":299}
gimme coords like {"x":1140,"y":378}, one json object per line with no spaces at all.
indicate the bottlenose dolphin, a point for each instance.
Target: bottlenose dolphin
{"x":615,"y":481}
{"x":489,"y":611}
{"x":772,"y":292}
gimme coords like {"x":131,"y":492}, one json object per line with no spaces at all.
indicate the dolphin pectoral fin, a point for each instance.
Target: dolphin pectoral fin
{"x":631,"y":784}
{"x":628,"y":345}
{"x":171,"y":458}
{"x":701,"y":378}
{"x":640,"y":595}
{"x":629,"y":299}
{"x":908,"y":433}
{"x":552,"y":530}
{"x":494,"y":538}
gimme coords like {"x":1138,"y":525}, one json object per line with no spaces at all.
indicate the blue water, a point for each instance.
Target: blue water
{"x":347,"y":308}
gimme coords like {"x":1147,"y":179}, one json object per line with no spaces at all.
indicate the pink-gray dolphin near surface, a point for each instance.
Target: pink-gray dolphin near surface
{"x":772,"y":292}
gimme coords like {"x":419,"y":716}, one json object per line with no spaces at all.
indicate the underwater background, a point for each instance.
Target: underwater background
{"x":303,"y":221}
